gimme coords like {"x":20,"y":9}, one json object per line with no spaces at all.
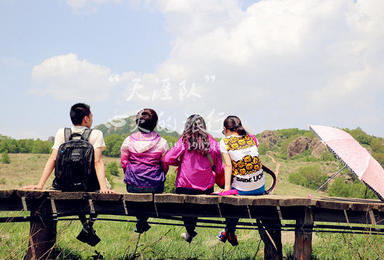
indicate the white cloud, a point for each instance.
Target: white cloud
{"x":68,"y":78}
{"x":288,"y":61}
{"x":277,"y":64}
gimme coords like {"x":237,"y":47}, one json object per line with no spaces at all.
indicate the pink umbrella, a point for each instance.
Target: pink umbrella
{"x":355,"y":157}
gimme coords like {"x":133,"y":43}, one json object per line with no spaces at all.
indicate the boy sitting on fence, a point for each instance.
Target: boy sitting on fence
{"x":77,"y":159}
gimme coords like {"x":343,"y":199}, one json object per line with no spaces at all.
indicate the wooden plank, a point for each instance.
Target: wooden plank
{"x":105,"y":197}
{"x":138,"y":197}
{"x":4,"y":194}
{"x":202,"y":199}
{"x":60,"y":195}
{"x":169,"y":198}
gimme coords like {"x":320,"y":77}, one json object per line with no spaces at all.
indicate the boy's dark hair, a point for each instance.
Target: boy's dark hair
{"x":146,"y":120}
{"x":78,"y":112}
{"x":233,"y":123}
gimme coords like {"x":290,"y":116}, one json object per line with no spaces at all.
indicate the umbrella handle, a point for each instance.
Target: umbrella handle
{"x":274,"y":178}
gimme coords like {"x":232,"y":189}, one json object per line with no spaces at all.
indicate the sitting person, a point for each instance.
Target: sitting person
{"x":243,"y":169}
{"x":196,"y":154}
{"x":82,"y":120}
{"x":141,"y":160}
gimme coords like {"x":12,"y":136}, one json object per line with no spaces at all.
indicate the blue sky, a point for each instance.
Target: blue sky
{"x":276,"y":64}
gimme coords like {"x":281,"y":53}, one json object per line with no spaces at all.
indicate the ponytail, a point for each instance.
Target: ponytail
{"x":233,"y":123}
{"x":241,"y":131}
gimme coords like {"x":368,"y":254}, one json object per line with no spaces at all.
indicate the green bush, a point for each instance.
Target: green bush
{"x":328,"y":156}
{"x":353,"y":189}
{"x":5,"y":158}
{"x":113,"y":168}
{"x":309,"y":176}
{"x":360,"y":135}
{"x":377,"y":145}
{"x":379,"y":157}
{"x":170,"y":182}
{"x":263,"y":148}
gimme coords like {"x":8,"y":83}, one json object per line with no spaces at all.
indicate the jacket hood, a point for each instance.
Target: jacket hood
{"x":143,"y":142}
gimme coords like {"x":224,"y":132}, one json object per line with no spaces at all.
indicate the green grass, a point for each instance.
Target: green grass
{"x":161,"y":241}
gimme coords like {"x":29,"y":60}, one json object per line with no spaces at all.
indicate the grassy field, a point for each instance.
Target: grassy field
{"x":162,"y":241}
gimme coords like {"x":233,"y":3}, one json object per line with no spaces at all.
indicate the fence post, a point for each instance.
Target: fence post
{"x":42,"y":233}
{"x":303,"y":235}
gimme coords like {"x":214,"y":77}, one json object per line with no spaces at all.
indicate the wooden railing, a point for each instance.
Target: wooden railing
{"x":47,"y":207}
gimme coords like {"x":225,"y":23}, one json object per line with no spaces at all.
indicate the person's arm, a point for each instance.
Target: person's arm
{"x":100,"y":171}
{"x":172,"y":157}
{"x":124,"y":158}
{"x":49,"y":166}
{"x":227,"y":171}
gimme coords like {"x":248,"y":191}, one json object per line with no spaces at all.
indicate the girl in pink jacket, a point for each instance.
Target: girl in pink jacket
{"x":197,"y":155}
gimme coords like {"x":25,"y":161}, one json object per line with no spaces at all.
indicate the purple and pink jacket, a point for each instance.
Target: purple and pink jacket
{"x":141,"y":159}
{"x":194,"y":169}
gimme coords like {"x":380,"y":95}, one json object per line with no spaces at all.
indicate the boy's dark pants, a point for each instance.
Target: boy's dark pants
{"x":190,"y":222}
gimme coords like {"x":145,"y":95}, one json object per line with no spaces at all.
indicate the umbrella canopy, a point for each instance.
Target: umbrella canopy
{"x":353,"y":155}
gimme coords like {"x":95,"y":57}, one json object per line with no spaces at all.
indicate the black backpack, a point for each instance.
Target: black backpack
{"x":75,"y":164}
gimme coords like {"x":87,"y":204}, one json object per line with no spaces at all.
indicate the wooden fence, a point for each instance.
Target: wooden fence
{"x":269,"y":210}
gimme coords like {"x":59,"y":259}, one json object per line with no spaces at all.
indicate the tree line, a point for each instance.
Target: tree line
{"x":11,"y":145}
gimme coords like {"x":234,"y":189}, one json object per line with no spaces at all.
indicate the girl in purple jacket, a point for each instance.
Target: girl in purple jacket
{"x":194,"y":174}
{"x":141,"y":160}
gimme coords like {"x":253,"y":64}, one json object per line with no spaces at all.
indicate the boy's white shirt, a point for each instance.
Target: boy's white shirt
{"x":96,"y":138}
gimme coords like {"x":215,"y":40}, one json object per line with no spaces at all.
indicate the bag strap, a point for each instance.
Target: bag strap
{"x":213,"y":166}
{"x":67,"y":134}
{"x":273,"y":175}
{"x":86,"y":134}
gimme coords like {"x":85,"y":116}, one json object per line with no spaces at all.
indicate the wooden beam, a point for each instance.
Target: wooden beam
{"x":42,"y":234}
{"x":303,"y":235}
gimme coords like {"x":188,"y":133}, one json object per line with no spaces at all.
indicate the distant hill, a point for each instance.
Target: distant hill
{"x":127,"y":126}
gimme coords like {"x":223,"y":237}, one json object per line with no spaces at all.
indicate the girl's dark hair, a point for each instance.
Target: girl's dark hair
{"x":78,"y":112}
{"x":233,"y":123}
{"x":146,"y":120}
{"x":195,"y":134}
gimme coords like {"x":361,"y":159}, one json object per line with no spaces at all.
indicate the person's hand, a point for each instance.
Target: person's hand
{"x":32,"y":187}
{"x":107,"y":191}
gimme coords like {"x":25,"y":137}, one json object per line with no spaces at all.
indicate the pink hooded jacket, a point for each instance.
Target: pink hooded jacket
{"x":194,"y":169}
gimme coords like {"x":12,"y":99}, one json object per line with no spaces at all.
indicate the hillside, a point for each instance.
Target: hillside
{"x":126,"y":126}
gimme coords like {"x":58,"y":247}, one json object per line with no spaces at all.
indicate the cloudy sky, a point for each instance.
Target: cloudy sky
{"x":274,"y":63}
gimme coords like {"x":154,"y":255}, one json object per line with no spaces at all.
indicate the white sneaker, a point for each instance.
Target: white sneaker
{"x":188,"y":237}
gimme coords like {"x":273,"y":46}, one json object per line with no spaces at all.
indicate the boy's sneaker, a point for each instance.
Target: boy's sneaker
{"x":142,"y":227}
{"x":232,"y":238}
{"x":88,"y":235}
{"x":188,"y":236}
{"x":222,"y":236}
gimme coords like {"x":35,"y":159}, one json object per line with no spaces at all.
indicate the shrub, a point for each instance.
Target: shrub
{"x":309,"y":176}
{"x":353,"y":189}
{"x":328,"y":156}
{"x":377,"y":145}
{"x":170,"y":182}
{"x":109,"y":179}
{"x":113,"y":169}
{"x":5,"y":158}
{"x":263,"y":148}
{"x":379,"y":157}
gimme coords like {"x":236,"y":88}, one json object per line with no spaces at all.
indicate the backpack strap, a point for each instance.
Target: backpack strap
{"x":86,"y":134}
{"x":67,"y":134}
